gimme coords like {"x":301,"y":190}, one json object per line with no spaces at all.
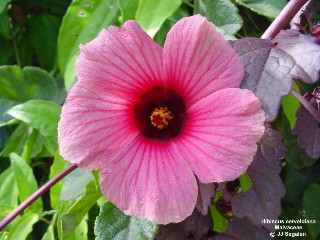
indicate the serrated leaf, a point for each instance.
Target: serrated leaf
{"x":263,"y":200}
{"x":267,"y":72}
{"x":151,"y":14}
{"x":26,"y":181}
{"x":311,"y":207}
{"x":243,"y":229}
{"x":128,"y":9}
{"x":112,"y":224}
{"x":19,"y":85}
{"x":268,"y":8}
{"x":77,"y":212}
{"x":75,"y":183}
{"x":23,"y":226}
{"x":196,"y":223}
{"x":307,"y":128}
{"x":82,"y":22}
{"x":205,"y":193}
{"x":296,"y":157}
{"x":47,"y":39}
{"x":216,"y":12}
{"x":305,"y":52}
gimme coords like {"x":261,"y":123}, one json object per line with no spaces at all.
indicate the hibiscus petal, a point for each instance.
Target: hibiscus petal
{"x":149,"y":180}
{"x":93,"y":128}
{"x":198,"y":60}
{"x":220,"y":135}
{"x":120,"y":61}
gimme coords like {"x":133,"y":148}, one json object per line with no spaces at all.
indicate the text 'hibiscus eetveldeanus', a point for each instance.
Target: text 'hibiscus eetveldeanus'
{"x":153,"y":119}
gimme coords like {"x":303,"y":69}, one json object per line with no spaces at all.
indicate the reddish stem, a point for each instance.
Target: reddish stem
{"x":36,"y":195}
{"x":283,"y":19}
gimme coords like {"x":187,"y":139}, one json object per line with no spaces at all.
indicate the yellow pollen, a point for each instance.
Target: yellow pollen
{"x":160,"y":117}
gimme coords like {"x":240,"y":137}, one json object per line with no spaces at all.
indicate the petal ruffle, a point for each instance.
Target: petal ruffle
{"x":149,"y":180}
{"x":94,"y":128}
{"x":220,"y":136}
{"x":120,"y":61}
{"x":198,"y":61}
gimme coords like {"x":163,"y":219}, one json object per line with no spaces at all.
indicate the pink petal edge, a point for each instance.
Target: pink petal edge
{"x":220,"y":136}
{"x":198,"y":60}
{"x":120,"y":61}
{"x":89,"y":133}
{"x":150,"y":180}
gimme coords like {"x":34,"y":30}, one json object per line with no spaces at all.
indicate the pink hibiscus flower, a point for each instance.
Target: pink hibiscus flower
{"x":152,"y":119}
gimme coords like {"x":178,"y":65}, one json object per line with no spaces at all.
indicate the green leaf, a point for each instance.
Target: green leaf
{"x":16,"y":141}
{"x":40,"y":114}
{"x":4,"y":235}
{"x":80,"y":233}
{"x":4,"y":25}
{"x":75,"y":183}
{"x":311,"y":207}
{"x":44,"y":30}
{"x":151,"y":14}
{"x":26,"y":181}
{"x":290,"y":105}
{"x":220,"y":222}
{"x":7,"y":51}
{"x":19,"y":85}
{"x":161,"y":35}
{"x":23,"y":226}
{"x":216,"y":12}
{"x":49,"y":235}
{"x":245,"y":182}
{"x":128,"y":9}
{"x":58,"y":165}
{"x":268,"y":8}
{"x":8,"y":192}
{"x":28,"y":83}
{"x":3,"y":4}
{"x":82,"y":22}
{"x":78,"y":211}
{"x":112,"y":224}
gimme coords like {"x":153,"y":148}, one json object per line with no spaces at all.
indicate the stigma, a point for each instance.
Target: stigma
{"x":160,"y":117}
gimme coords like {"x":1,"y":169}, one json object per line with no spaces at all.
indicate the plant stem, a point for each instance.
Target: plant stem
{"x":307,"y":105}
{"x":36,"y":195}
{"x":283,"y":19}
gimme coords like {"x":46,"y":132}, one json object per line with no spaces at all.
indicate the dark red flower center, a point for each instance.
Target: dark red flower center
{"x":160,"y":113}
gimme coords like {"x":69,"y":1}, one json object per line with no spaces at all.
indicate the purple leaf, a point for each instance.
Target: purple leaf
{"x":263,"y":200}
{"x":267,"y":72}
{"x":243,"y":229}
{"x":196,"y":225}
{"x":206,"y":193}
{"x":307,"y":128}
{"x":305,"y":52}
